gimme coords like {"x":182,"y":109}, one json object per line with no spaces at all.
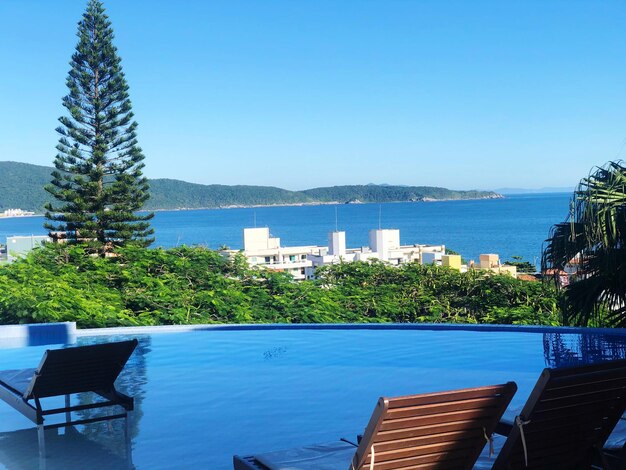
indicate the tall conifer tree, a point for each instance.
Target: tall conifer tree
{"x":98,"y":183}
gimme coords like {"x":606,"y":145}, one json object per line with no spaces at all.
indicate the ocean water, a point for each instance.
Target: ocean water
{"x":513,"y":226}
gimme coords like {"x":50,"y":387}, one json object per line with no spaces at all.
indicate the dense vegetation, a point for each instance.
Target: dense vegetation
{"x":592,"y":242}
{"x":196,"y":285}
{"x":21,"y":186}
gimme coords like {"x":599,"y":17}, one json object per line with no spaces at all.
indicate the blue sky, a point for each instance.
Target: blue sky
{"x":299,"y":94}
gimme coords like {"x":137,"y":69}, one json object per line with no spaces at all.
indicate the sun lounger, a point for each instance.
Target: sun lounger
{"x":566,"y":420}
{"x":445,"y":430}
{"x":68,"y":371}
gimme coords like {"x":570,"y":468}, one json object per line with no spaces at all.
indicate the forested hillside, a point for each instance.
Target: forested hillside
{"x":21,"y":186}
{"x":376,"y":193}
{"x":167,"y":193}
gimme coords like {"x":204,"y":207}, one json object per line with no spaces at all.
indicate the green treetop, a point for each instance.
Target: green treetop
{"x":592,"y":243}
{"x":98,"y":183}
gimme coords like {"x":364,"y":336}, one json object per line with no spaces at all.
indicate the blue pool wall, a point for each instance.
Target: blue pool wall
{"x":37,"y":334}
{"x":350,"y":326}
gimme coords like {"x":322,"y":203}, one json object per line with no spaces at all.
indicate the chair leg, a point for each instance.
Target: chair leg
{"x":129,"y":450}
{"x":42,"y":441}
{"x":68,"y":415}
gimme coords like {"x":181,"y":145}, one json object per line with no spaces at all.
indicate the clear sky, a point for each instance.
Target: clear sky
{"x":300,"y":94}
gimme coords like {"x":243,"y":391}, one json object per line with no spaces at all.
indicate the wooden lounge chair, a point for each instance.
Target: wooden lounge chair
{"x":566,"y":420}
{"x":68,"y":371}
{"x":445,"y":430}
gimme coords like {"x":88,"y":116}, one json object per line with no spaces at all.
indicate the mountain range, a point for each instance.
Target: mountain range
{"x":21,"y":186}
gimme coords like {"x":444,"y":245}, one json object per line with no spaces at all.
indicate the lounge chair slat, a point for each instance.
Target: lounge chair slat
{"x":426,"y":430}
{"x":584,"y":387}
{"x":444,"y":397}
{"x":448,"y":456}
{"x":423,"y":441}
{"x":451,"y":417}
{"x":608,"y":368}
{"x":589,"y":396}
{"x":434,"y":408}
{"x":569,"y":413}
{"x":589,"y":378}
{"x":602,"y":409}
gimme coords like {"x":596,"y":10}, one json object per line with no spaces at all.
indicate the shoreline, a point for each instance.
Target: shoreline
{"x":320,"y":203}
{"x":289,"y":204}
{"x":19,"y":216}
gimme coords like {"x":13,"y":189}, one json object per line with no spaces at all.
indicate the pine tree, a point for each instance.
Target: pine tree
{"x":98,"y":183}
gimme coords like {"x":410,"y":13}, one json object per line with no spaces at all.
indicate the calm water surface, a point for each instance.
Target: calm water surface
{"x":203,"y":396}
{"x":513,"y":226}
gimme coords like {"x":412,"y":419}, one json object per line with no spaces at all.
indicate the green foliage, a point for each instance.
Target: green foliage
{"x":521,"y":265}
{"x":593,"y":241}
{"x":415,"y":293}
{"x":98,"y":183}
{"x":187,"y":285}
{"x":21,"y":186}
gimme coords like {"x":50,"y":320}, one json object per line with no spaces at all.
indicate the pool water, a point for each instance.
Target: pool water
{"x":202,"y":396}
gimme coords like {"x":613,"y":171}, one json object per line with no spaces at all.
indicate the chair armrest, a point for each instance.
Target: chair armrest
{"x":343,"y":439}
{"x":504,"y":427}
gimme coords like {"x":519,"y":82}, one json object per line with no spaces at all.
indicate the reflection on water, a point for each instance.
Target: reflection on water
{"x":99,"y":445}
{"x":66,"y":448}
{"x":564,"y":350}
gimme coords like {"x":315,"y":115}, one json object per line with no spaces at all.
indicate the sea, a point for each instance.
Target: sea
{"x":515,"y":225}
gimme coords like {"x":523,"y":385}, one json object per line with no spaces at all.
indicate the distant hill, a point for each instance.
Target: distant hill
{"x":21,"y":186}
{"x":388,"y":193}
{"x":175,"y":194}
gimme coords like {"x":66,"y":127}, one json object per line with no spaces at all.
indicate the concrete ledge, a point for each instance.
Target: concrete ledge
{"x":37,"y":334}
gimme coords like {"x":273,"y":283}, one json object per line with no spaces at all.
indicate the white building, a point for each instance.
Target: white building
{"x":261,"y":249}
{"x":384,"y":245}
{"x":16,"y":213}
{"x":19,"y":246}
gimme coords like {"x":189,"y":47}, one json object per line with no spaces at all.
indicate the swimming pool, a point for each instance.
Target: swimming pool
{"x":203,"y":395}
